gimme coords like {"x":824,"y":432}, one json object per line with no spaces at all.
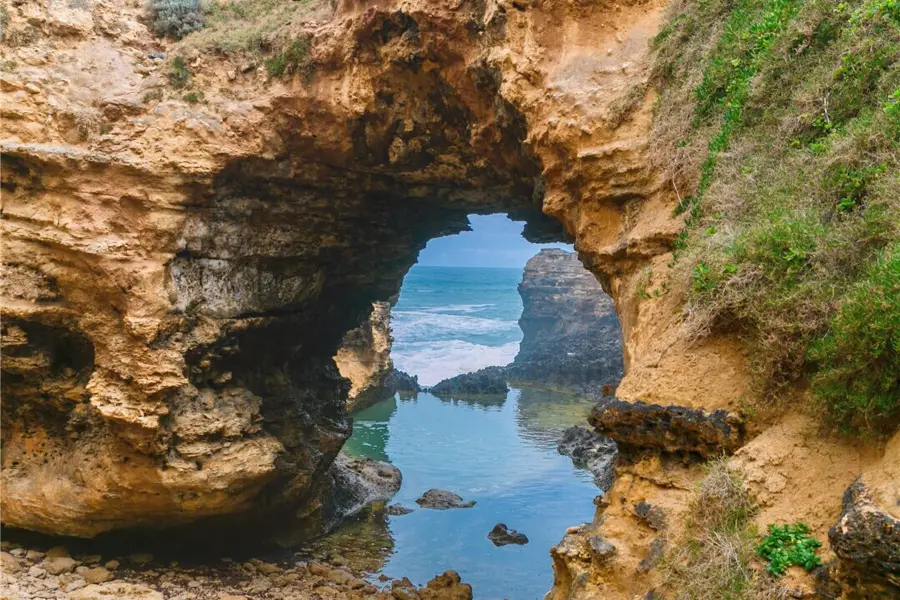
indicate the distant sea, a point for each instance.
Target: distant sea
{"x":452,"y":320}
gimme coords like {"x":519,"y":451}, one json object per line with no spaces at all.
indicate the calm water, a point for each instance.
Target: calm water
{"x":452,"y":320}
{"x":500,"y":452}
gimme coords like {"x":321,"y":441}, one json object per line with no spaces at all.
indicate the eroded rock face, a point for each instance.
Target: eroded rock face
{"x":590,"y":451}
{"x":365,"y":359}
{"x":866,"y":539}
{"x":166,"y":260}
{"x":486,"y":381}
{"x":640,"y":425}
{"x":570,"y":329}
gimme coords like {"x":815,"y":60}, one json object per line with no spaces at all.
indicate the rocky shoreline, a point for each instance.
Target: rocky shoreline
{"x":53,"y":574}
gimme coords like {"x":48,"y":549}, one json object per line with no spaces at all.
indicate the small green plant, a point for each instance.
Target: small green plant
{"x":194,"y":97}
{"x":175,"y":18}
{"x":179,"y":74}
{"x":789,"y":545}
{"x":295,"y":59}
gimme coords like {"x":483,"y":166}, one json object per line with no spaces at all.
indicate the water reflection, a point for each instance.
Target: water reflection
{"x":500,"y":452}
{"x":486,"y":402}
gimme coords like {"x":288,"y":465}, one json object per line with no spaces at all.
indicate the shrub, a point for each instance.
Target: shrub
{"x":789,"y":545}
{"x":859,"y":358}
{"x":179,"y":74}
{"x":194,"y":97}
{"x":175,"y":18}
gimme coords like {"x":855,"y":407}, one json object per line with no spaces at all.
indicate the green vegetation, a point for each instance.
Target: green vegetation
{"x":194,"y":97}
{"x":294,"y":59}
{"x":714,"y":562}
{"x":175,"y":18}
{"x":787,"y":139}
{"x":179,"y":73}
{"x":789,"y":545}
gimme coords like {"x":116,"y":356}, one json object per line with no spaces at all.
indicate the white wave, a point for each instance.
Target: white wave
{"x":435,"y":361}
{"x":412,"y":325}
{"x":458,"y":308}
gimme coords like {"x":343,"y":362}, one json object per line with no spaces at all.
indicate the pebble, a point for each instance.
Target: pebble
{"x":59,"y":564}
{"x":97,"y":575}
{"x":34,"y":555}
{"x":8,"y":563}
{"x":112,"y":565}
{"x":57,"y":552}
{"x":140,"y":558}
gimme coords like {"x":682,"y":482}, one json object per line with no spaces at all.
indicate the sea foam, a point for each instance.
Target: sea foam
{"x":433,"y":362}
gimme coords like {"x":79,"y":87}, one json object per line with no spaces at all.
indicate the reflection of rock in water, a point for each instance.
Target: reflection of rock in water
{"x":370,"y":431}
{"x":486,"y":401}
{"x":542,"y":415}
{"x":365,"y":542}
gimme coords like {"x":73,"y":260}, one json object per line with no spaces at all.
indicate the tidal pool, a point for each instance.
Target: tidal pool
{"x":500,"y":452}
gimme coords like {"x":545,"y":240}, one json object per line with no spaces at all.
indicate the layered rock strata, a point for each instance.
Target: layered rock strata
{"x":571,"y":333}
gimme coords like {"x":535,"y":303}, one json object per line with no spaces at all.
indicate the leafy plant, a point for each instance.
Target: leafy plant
{"x":295,"y":59}
{"x":194,"y":97}
{"x":179,"y":73}
{"x":789,"y":545}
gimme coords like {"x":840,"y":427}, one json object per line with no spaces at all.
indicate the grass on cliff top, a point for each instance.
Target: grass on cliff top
{"x":257,"y":28}
{"x":779,"y":124}
{"x":714,"y":561}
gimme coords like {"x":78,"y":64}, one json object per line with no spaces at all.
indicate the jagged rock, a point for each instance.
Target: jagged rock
{"x":443,"y":500}
{"x":867,"y":539}
{"x":654,"y":554}
{"x":365,"y":359}
{"x":667,"y":428}
{"x":487,"y":381}
{"x":357,"y":484}
{"x":500,"y":535}
{"x":600,"y":548}
{"x":397,"y":509}
{"x":447,"y":586}
{"x":653,"y":516}
{"x":590,"y":451}
{"x":570,"y":329}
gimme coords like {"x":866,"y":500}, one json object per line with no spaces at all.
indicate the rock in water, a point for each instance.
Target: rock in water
{"x":404,"y":383}
{"x":490,"y":380}
{"x":591,"y":451}
{"x":357,"y":484}
{"x":500,"y":535}
{"x":571,"y":333}
{"x":443,"y":500}
{"x":397,"y":510}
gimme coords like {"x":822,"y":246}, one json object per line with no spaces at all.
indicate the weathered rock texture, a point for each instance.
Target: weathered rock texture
{"x":591,"y":451}
{"x":570,"y":329}
{"x":667,"y":428}
{"x":365,"y":358}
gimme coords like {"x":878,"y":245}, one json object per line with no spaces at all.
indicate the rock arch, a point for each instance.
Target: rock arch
{"x":215,"y":260}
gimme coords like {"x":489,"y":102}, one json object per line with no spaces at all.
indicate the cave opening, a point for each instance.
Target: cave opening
{"x":493,"y":347}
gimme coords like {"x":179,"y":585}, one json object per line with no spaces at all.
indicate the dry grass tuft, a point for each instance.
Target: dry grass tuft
{"x":715,"y":561}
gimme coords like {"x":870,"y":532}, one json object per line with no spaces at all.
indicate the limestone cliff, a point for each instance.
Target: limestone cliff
{"x":180,"y":269}
{"x":365,"y":358}
{"x":571,"y":333}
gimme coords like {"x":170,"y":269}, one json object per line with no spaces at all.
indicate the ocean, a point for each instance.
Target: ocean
{"x":452,"y":320}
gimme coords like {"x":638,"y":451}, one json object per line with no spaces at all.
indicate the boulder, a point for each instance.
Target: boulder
{"x":9,"y":564}
{"x":59,"y":565}
{"x":446,"y":586}
{"x":487,"y":381}
{"x":866,"y":539}
{"x":500,"y":535}
{"x":443,"y":500}
{"x":357,"y":483}
{"x":640,"y":425}
{"x":590,"y":451}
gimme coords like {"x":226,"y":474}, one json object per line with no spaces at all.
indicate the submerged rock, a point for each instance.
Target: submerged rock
{"x":490,"y":380}
{"x":571,"y":333}
{"x":398,"y":509}
{"x":500,"y":535}
{"x":667,"y":428}
{"x":590,"y":451}
{"x":443,"y":500}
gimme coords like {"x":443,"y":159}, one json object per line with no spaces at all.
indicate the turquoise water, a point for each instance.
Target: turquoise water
{"x":452,"y":320}
{"x":500,"y":452}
